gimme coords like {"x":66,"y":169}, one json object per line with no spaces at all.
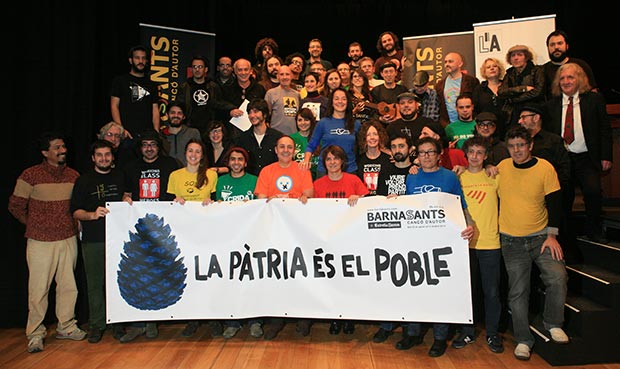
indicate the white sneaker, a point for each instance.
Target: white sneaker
{"x":522,"y":351}
{"x":35,"y":344}
{"x":558,"y":336}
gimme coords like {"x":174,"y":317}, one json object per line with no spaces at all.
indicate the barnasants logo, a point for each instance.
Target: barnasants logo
{"x":395,"y":218}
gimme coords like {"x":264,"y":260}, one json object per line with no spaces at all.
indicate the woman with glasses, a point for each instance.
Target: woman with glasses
{"x":217,"y":144}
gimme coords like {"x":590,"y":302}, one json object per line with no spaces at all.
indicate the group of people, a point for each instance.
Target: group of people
{"x":512,"y":147}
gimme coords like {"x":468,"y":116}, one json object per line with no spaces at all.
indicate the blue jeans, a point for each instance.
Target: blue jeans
{"x":488,"y":263}
{"x":519,"y":253}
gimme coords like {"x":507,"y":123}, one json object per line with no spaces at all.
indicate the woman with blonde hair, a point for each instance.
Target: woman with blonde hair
{"x":486,"y":97}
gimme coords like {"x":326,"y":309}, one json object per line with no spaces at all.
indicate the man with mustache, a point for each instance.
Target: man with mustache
{"x":41,"y":201}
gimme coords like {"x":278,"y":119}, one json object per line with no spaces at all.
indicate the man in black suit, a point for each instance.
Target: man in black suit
{"x":580,"y":117}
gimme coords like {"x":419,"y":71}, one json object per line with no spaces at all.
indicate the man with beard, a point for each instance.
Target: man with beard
{"x":178,"y":134}
{"x":392,"y":178}
{"x":146,"y":179}
{"x":411,"y":121}
{"x":91,"y":192}
{"x":355,"y":53}
{"x":388,"y":46}
{"x":133,"y":97}
{"x":199,"y":96}
{"x":41,"y":201}
{"x":557,"y":46}
{"x":269,"y":76}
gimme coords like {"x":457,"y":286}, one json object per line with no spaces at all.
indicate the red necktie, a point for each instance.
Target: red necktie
{"x":569,"y":131}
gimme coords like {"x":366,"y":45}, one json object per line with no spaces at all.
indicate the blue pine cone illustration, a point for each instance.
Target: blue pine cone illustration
{"x":150,"y":277}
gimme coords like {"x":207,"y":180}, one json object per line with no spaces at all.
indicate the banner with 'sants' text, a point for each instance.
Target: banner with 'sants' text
{"x":397,"y":259}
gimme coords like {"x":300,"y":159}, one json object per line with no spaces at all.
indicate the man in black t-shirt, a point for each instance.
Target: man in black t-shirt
{"x":88,"y":205}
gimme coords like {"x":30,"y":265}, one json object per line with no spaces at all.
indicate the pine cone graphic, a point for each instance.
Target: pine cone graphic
{"x":150,"y":277}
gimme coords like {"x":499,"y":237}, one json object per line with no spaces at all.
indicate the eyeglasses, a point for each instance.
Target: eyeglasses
{"x":427,"y":153}
{"x":114,"y":135}
{"x":198,"y":66}
{"x":297,"y":62}
{"x":486,"y":124}
{"x":516,"y":146}
{"x":523,"y":116}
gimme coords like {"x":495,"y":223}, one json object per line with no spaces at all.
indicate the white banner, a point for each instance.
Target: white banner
{"x":493,"y":39}
{"x":384,"y":259}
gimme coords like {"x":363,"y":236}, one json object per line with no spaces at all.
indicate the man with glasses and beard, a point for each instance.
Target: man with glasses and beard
{"x":88,"y":205}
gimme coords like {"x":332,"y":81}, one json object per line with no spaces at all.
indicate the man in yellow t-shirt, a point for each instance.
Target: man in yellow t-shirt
{"x":529,"y":216}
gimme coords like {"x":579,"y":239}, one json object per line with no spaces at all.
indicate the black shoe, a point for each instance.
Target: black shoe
{"x":217,"y":329}
{"x":272,"y":330}
{"x":463,"y":340}
{"x":439,"y":348}
{"x":303,"y":327}
{"x":381,"y":335}
{"x":94,"y":335}
{"x":349,"y":328}
{"x":408,"y":342}
{"x":190,"y":328}
{"x":335,"y":328}
{"x":151,"y":330}
{"x":132,"y":333}
{"x":495,"y":344}
{"x":118,"y":331}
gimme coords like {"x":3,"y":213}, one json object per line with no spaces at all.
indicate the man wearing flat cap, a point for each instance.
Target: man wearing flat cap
{"x":523,"y":84}
{"x":428,"y":96}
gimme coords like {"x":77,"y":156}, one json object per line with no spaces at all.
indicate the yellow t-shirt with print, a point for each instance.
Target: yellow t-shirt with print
{"x":182,"y":183}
